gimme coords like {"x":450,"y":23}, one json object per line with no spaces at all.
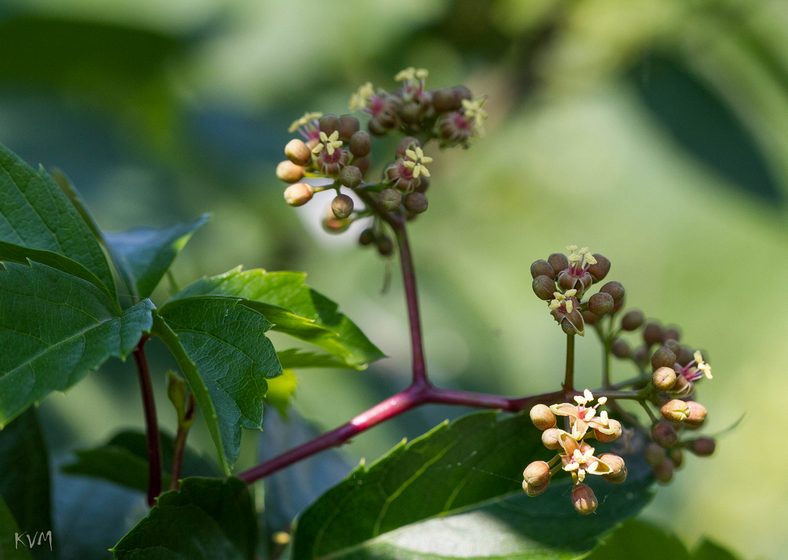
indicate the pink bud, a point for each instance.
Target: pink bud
{"x":298,"y":194}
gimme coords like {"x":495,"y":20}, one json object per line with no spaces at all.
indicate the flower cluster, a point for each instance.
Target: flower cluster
{"x":334,"y":153}
{"x":575,"y":454}
{"x":564,"y":279}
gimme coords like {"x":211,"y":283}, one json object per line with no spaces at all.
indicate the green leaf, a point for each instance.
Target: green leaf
{"x":124,"y":461}
{"x":458,"y":465}
{"x":296,"y":358}
{"x":206,"y":519}
{"x":281,"y":391}
{"x":8,"y":530}
{"x":224,"y":340}
{"x":24,"y":484}
{"x":707,"y":549}
{"x":54,"y":328}
{"x":289,"y":290}
{"x":641,"y":540}
{"x":143,"y":255}
{"x":35,"y":213}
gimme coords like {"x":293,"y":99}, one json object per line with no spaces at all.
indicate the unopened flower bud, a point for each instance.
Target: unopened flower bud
{"x":446,"y":99}
{"x":664,"y":378}
{"x":390,"y":199}
{"x":663,"y":357}
{"x":601,"y":303}
{"x":558,"y":261}
{"x":385,"y":245}
{"x":599,"y":269}
{"x":350,"y":176}
{"x":584,"y":499}
{"x":664,"y":434}
{"x":415,"y":202}
{"x":613,"y":427}
{"x":682,"y":386}
{"x":702,"y":447}
{"x":289,"y":172}
{"x":618,"y":468}
{"x":332,"y":224}
{"x":342,"y":206}
{"x":567,"y":281}
{"x":407,"y":143}
{"x":654,"y":454}
{"x":542,"y":417}
{"x":367,"y":237}
{"x":360,"y":143}
{"x":632,"y":320}
{"x":298,"y":194}
{"x":652,"y":333}
{"x":615,"y":289}
{"x":676,"y":457}
{"x":671,"y":333}
{"x":329,"y":123}
{"x":675,"y":410}
{"x":347,"y":126}
{"x":589,"y":318}
{"x":541,"y":267}
{"x":537,"y":474}
{"x":640,"y":354}
{"x":620,"y":348}
{"x":674,"y":347}
{"x":298,"y":152}
{"x":551,"y":438}
{"x":534,"y":490}
{"x":663,"y":472}
{"x":697,"y":414}
{"x":543,"y":287}
{"x":685,"y":355}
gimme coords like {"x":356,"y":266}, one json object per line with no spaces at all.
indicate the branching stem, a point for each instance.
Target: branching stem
{"x":151,"y":424}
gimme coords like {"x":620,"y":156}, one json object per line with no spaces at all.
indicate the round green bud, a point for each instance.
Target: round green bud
{"x":342,"y":206}
{"x":542,"y":417}
{"x":289,"y":172}
{"x":583,"y":499}
{"x":360,"y":143}
{"x":663,"y":357}
{"x":350,"y":176}
{"x":298,"y":152}
{"x":671,"y":333}
{"x":541,"y":267}
{"x":390,"y":199}
{"x":673,"y":346}
{"x":601,"y":304}
{"x":632,"y":320}
{"x":416,"y":202}
{"x":298,"y":194}
{"x":664,"y":378}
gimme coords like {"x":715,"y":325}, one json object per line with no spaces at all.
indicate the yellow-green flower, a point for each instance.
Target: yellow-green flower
{"x":330,"y":143}
{"x":417,"y":162}
{"x":360,"y":99}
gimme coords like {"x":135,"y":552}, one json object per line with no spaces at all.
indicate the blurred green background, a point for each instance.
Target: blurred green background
{"x":653,"y":132}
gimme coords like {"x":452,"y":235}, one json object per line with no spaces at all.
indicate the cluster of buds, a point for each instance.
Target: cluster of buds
{"x":675,"y":369}
{"x":334,"y":153}
{"x":564,"y":279}
{"x":451,"y":115}
{"x":575,"y":455}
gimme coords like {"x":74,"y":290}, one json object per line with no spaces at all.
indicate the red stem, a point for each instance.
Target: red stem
{"x":419,"y":364}
{"x":151,"y":424}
